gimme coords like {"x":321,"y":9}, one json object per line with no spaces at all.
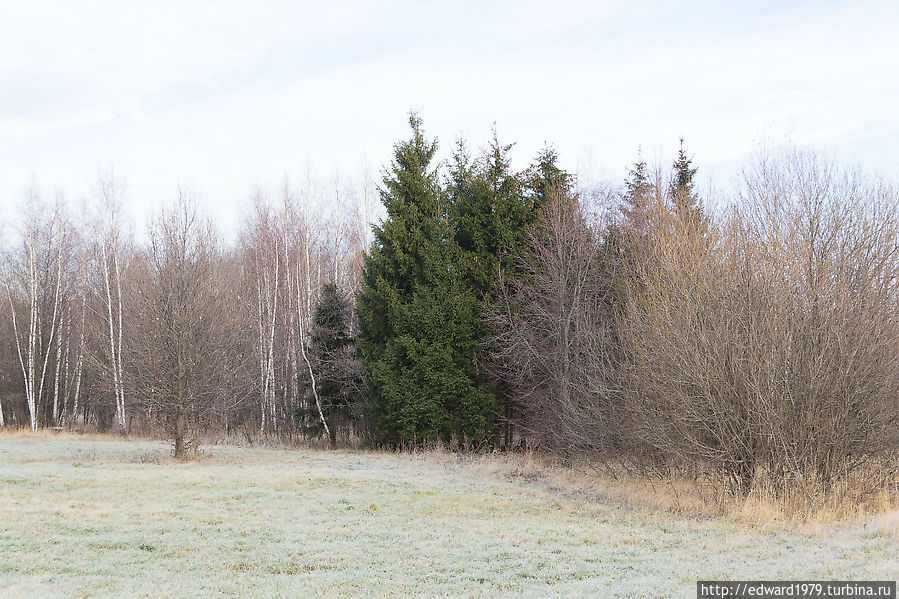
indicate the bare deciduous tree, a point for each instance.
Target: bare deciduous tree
{"x":554,"y":343}
{"x":185,"y":360}
{"x":38,"y":281}
{"x":109,"y":253}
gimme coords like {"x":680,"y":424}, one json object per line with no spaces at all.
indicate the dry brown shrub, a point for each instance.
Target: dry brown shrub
{"x":768,"y":342}
{"x":554,"y":345}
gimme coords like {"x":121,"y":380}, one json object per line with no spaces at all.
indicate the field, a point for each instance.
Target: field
{"x":104,"y":518}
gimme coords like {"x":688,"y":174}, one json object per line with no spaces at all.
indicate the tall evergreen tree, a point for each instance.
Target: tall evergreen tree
{"x":418,"y":317}
{"x":491,"y":213}
{"x":681,"y":191}
{"x":544,"y":178}
{"x":638,"y":196}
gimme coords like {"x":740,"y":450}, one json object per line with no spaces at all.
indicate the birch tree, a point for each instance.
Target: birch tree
{"x":37,"y":283}
{"x":262,"y":257}
{"x":285,"y":260}
{"x":110,"y":252}
{"x":304,"y":262}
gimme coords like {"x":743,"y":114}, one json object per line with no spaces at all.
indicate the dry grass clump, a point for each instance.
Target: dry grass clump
{"x":864,"y":495}
{"x":852,"y":499}
{"x":8,"y":432}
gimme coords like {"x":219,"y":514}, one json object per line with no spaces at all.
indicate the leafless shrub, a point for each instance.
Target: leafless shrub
{"x":770,"y":342}
{"x":554,"y":345}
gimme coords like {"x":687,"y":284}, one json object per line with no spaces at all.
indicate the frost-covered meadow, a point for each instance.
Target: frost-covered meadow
{"x":95,"y":518}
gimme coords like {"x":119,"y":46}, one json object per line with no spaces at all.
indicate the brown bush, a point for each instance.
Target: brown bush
{"x":769,"y":341}
{"x":554,"y":346}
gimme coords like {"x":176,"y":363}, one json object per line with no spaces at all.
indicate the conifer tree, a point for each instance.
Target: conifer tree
{"x":638,"y":196}
{"x":545,"y":178}
{"x":418,"y":317}
{"x":491,"y":214}
{"x":332,"y":352}
{"x":681,"y":192}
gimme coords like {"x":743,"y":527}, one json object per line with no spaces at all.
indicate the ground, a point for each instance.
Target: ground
{"x":100,"y":518}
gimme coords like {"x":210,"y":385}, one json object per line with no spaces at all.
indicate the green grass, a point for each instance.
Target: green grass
{"x":83,"y":518}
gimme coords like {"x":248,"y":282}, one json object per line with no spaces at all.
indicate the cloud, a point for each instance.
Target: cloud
{"x":225,"y":95}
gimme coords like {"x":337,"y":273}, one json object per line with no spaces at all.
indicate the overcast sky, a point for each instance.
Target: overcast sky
{"x":223,"y":96}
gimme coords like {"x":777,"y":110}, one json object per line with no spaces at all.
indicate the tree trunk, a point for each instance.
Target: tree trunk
{"x":180,"y":405}
{"x":180,"y":425}
{"x":56,"y":373}
{"x":332,"y":432}
{"x":79,"y":363}
{"x":113,"y":361}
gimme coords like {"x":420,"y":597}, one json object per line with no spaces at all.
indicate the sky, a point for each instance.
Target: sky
{"x":222,"y":97}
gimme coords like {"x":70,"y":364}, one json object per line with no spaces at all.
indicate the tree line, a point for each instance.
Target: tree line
{"x":486,"y":309}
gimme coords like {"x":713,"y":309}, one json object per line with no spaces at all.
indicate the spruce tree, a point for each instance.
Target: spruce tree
{"x":544,"y":178}
{"x":491,"y":213}
{"x":332,"y":353}
{"x":638,"y":196}
{"x":418,"y":317}
{"x":681,"y":192}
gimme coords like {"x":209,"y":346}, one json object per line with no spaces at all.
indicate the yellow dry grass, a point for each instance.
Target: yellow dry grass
{"x":851,"y":501}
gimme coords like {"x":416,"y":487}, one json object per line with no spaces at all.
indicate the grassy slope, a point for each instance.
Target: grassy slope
{"x":116,"y":518}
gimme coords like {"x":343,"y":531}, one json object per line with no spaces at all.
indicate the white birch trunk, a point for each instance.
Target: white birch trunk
{"x":260,"y":321}
{"x":22,"y":356}
{"x":66,"y":380}
{"x":32,"y":332}
{"x":110,"y":321}
{"x":302,"y":320}
{"x":56,"y":372}
{"x":80,"y":361}
{"x":267,"y":314}
{"x":121,"y":381}
{"x":53,"y":324}
{"x":271,"y":342}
